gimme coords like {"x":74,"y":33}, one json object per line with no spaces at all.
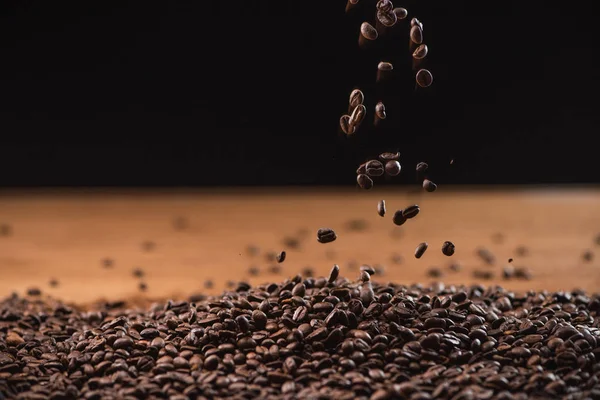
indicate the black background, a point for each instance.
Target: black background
{"x":250,"y":92}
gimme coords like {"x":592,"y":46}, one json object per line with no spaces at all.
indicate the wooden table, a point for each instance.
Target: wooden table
{"x":66,"y":235}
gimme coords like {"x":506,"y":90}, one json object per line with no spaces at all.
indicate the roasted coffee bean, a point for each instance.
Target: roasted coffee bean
{"x":335,"y":271}
{"x":416,"y":34}
{"x":368,"y":269}
{"x":280,"y":257}
{"x":588,"y":256}
{"x":422,"y":167}
{"x":388,"y":156}
{"x":387,"y":19}
{"x":381,"y":208}
{"x":429,"y":186}
{"x":384,"y":66}
{"x":420,"y":250}
{"x":455,"y":267}
{"x":522,"y":273}
{"x":368,"y":31}
{"x":508,"y":272}
{"x":424,"y":78}
{"x":420,"y":52}
{"x":138,"y":272}
{"x":448,"y":249}
{"x":374,"y":168}
{"x":108,"y":263}
{"x":399,"y":218}
{"x":356,"y":98}
{"x":392,"y":168}
{"x":345,"y":125}
{"x":53,"y":283}
{"x":411,"y":211}
{"x":480,"y":274}
{"x":364,"y":182}
{"x":326,"y":235}
{"x":34,"y":292}
{"x":510,"y":260}
{"x":142,"y":286}
{"x":434,"y":272}
{"x":253,"y":270}
{"x":384,"y":6}
{"x":416,"y":22}
{"x":401,"y":13}
{"x":357,"y":116}
{"x":380,"y":111}
{"x":486,"y":256}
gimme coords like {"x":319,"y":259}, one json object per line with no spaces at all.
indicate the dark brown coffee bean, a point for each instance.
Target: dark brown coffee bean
{"x":385,"y":66}
{"x":399,"y":218}
{"x":356,"y":98}
{"x":385,"y":157}
{"x":381,"y":208}
{"x":429,"y":186}
{"x":208,"y":284}
{"x":411,"y":211}
{"x":510,"y":260}
{"x":420,"y":52}
{"x":368,"y":269}
{"x":380,"y":110}
{"x":142,"y":286}
{"x":422,"y":167}
{"x":434,"y":272}
{"x":392,"y":168}
{"x":416,"y":34}
{"x":486,"y":256}
{"x":420,"y":250}
{"x":588,"y":256}
{"x":480,"y":274}
{"x":384,"y":6}
{"x":401,"y":13}
{"x":448,"y":249}
{"x":253,"y":270}
{"x":522,"y":273}
{"x":281,"y":257}
{"x":357,"y":116}
{"x":374,"y":168}
{"x":53,"y":283}
{"x":34,"y":292}
{"x":416,"y":22}
{"x":424,"y":78}
{"x":387,"y":19}
{"x":364,"y":182}
{"x":138,"y":272}
{"x":335,"y":271}
{"x":108,"y":263}
{"x":326,"y":235}
{"x":345,"y":125}
{"x":368,"y":31}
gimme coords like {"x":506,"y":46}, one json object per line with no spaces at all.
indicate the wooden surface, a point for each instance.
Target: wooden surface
{"x":65,"y":236}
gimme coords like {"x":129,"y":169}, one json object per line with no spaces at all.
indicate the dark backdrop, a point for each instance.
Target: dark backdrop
{"x":250,"y":92}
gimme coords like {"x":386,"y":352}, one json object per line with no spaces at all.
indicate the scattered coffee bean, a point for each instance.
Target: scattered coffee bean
{"x":208,"y":284}
{"x":486,"y":256}
{"x":588,"y":256}
{"x":34,"y":291}
{"x":381,"y":208}
{"x":335,"y":271}
{"x":522,"y":273}
{"x":420,"y":52}
{"x":392,"y":168}
{"x":108,"y":263}
{"x":380,"y":110}
{"x":388,"y":156}
{"x":510,"y":260}
{"x":420,"y":250}
{"x":374,"y":168}
{"x":142,"y":286}
{"x":399,"y":218}
{"x":357,"y":116}
{"x":326,"y":235}
{"x":387,"y":19}
{"x":253,"y":270}
{"x":385,"y":66}
{"x":362,"y":169}
{"x":53,"y":283}
{"x":281,"y":257}
{"x":455,"y":267}
{"x":522,"y":251}
{"x":416,"y":22}
{"x":448,"y":249}
{"x":368,"y":269}
{"x":434,"y":272}
{"x":411,"y":211}
{"x":356,"y":98}
{"x":416,"y":34}
{"x":485,"y":275}
{"x":422,"y":167}
{"x":384,"y":6}
{"x":508,"y":272}
{"x":345,"y":125}
{"x":364,"y":182}
{"x":424,"y":78}
{"x":429,"y":186}
{"x":368,"y":32}
{"x":401,"y":13}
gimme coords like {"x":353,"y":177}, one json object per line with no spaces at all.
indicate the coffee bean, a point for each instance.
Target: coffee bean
{"x":399,"y":218}
{"x":455,"y":267}
{"x":416,"y":34}
{"x":384,"y":6}
{"x":522,"y":251}
{"x":253,"y":270}
{"x":401,"y":13}
{"x":34,"y":291}
{"x":424,"y":78}
{"x":335,"y":271}
{"x":345,"y":125}
{"x":368,"y":269}
{"x":588,"y":256}
{"x":480,"y":274}
{"x":281,"y":256}
{"x":510,"y":260}
{"x":448,"y":249}
{"x":393,"y":168}
{"x":138,"y":272}
{"x":429,"y":186}
{"x":356,"y":98}
{"x":522,"y":273}
{"x":486,"y":256}
{"x":380,"y":110}
{"x":387,"y":19}
{"x":326,"y":235}
{"x":381,"y":208}
{"x":364,"y":182}
{"x":142,"y":286}
{"x":374,"y":168}
{"x":416,"y":22}
{"x":384,"y":66}
{"x":108,"y":263}
{"x":422,"y":167}
{"x":508,"y":272}
{"x":357,"y":116}
{"x":420,"y":52}
{"x":53,"y":283}
{"x":368,"y":31}
{"x":411,"y":211}
{"x":434,"y":272}
{"x":420,"y":250}
{"x":388,"y":156}
{"x":208,"y":284}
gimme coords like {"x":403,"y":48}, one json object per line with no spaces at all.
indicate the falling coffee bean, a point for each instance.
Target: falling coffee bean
{"x":34,"y":292}
{"x":401,"y":13}
{"x":508,"y":272}
{"x":142,"y":286}
{"x":411,"y":211}
{"x":253,"y":270}
{"x":424,"y":78}
{"x":356,"y":98}
{"x":486,"y":255}
{"x":399,"y":218}
{"x":381,"y":208}
{"x":345,"y":125}
{"x":455,"y":267}
{"x":484,"y":275}
{"x":380,"y":111}
{"x":368,"y":31}
{"x":208,"y":284}
{"x":138,"y":272}
{"x":333,"y":274}
{"x":385,"y":157}
{"x":108,"y":263}
{"x":281,"y":257}
{"x":429,"y":186}
{"x":384,"y":6}
{"x":510,"y":260}
{"x":326,"y":235}
{"x":420,"y":250}
{"x":588,"y":256}
{"x":393,"y":168}
{"x":364,"y":182}
{"x":53,"y":283}
{"x":434,"y":272}
{"x":522,"y":251}
{"x":416,"y":22}
{"x":358,"y":115}
{"x":448,"y":248}
{"x":422,"y":167}
{"x":374,"y":168}
{"x":420,"y":52}
{"x":416,"y":34}
{"x":362,"y":169}
{"x":385,"y":66}
{"x":523,"y":273}
{"x":387,"y":19}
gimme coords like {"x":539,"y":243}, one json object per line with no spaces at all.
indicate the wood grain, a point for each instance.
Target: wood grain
{"x":66,"y":235}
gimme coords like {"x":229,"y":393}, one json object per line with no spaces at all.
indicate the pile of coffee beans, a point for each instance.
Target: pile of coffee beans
{"x":313,"y":338}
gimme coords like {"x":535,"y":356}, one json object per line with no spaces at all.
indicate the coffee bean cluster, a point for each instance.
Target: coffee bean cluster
{"x":314,"y":338}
